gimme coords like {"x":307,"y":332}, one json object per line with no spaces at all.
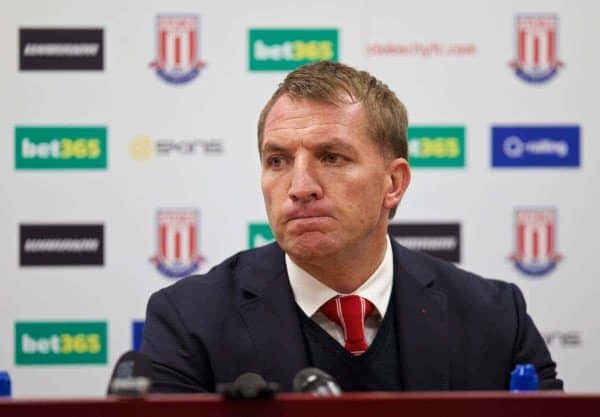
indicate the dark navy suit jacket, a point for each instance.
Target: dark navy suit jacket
{"x":456,"y":331}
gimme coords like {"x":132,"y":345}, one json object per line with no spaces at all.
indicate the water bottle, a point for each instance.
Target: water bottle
{"x":524,"y":378}
{"x":4,"y":384}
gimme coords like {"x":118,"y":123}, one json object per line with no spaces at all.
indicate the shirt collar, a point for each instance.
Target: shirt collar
{"x":310,"y":294}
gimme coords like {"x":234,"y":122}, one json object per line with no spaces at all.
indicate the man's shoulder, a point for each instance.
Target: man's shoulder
{"x":451,"y":279}
{"x":224,"y":282}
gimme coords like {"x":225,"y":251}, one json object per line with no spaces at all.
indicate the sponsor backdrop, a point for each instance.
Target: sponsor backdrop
{"x":128,"y":157}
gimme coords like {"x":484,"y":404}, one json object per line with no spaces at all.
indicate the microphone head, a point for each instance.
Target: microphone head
{"x":132,"y":374}
{"x":315,"y":381}
{"x":248,"y":386}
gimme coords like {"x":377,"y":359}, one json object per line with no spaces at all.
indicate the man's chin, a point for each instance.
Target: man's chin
{"x":310,"y":245}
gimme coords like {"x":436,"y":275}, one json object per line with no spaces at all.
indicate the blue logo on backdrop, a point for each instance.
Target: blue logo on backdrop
{"x":535,"y":146}
{"x":137,"y":331}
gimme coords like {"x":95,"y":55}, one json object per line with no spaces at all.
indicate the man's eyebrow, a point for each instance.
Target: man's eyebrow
{"x":335,"y":144}
{"x":330,"y":144}
{"x":272,"y":147}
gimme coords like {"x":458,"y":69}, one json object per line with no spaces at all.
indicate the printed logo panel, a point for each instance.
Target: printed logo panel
{"x":61,"y":49}
{"x":421,"y":49}
{"x":535,"y":146}
{"x":177,"y":242}
{"x":288,"y":49}
{"x":436,"y":146}
{"x":535,"y":241}
{"x":60,"y":343}
{"x":60,"y":147}
{"x":563,"y":339}
{"x":61,"y":244}
{"x":441,"y":240}
{"x":143,"y":148}
{"x":137,"y":334}
{"x":536,"y":47}
{"x":177,"y":48}
{"x":259,"y":234}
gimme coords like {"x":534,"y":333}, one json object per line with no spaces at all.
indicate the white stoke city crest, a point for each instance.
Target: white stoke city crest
{"x":177,"y":242}
{"x":536,"y":46}
{"x":177,"y":40}
{"x":535,"y":241}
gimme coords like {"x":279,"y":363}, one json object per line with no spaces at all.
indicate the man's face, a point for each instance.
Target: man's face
{"x":324,"y":180}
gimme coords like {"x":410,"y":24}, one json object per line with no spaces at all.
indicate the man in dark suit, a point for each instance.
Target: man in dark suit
{"x":335,"y":292}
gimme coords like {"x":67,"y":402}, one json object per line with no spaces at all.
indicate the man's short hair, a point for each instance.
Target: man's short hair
{"x":335,"y":83}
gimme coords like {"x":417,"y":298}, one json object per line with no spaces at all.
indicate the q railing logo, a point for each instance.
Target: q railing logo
{"x":535,"y":240}
{"x":536,"y":146}
{"x":177,"y":231}
{"x":288,"y":49}
{"x":177,"y":48}
{"x":60,"y":343}
{"x":536,"y":45}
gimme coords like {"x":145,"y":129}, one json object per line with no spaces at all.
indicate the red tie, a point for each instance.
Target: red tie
{"x":350,"y":312}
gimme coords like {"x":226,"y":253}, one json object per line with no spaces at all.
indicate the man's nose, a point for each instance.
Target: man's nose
{"x":305,"y":185}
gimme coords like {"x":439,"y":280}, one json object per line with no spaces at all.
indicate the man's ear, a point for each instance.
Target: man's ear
{"x":399,"y":178}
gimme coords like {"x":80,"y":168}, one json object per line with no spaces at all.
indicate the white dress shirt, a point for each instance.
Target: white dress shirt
{"x":310,"y":294}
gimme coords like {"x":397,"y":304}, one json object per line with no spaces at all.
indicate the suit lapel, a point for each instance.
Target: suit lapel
{"x":422,"y":317}
{"x":268,"y":310}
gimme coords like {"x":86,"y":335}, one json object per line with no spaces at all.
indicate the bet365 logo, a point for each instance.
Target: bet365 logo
{"x":60,"y":147}
{"x":60,"y":343}
{"x":287,"y":49}
{"x":436,"y":146}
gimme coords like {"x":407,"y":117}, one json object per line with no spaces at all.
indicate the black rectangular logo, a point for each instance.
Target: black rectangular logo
{"x":441,"y":240}
{"x":61,"y":49}
{"x":61,"y":244}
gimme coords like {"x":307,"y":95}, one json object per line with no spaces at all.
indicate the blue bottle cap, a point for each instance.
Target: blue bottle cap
{"x":4,"y":384}
{"x":524,"y":378}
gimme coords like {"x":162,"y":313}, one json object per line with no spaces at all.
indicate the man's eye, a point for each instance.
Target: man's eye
{"x":332,"y":158}
{"x":275,"y":161}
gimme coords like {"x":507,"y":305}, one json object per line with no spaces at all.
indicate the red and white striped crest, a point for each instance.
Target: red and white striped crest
{"x":177,"y":235}
{"x":536,"y":44}
{"x":177,"y":242}
{"x":177,"y":56}
{"x":177,"y":42}
{"x":535,"y":252}
{"x":536,"y":57}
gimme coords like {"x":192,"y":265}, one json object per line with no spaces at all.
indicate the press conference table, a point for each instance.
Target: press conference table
{"x":480,"y":404}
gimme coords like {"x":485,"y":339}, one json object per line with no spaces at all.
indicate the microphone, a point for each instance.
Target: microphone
{"x":248,"y":386}
{"x":132,"y":375}
{"x":316,"y":382}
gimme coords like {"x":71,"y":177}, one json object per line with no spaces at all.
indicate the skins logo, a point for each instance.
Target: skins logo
{"x":536,"y":47}
{"x":177,"y":231}
{"x":535,"y":241}
{"x":177,"y":43}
